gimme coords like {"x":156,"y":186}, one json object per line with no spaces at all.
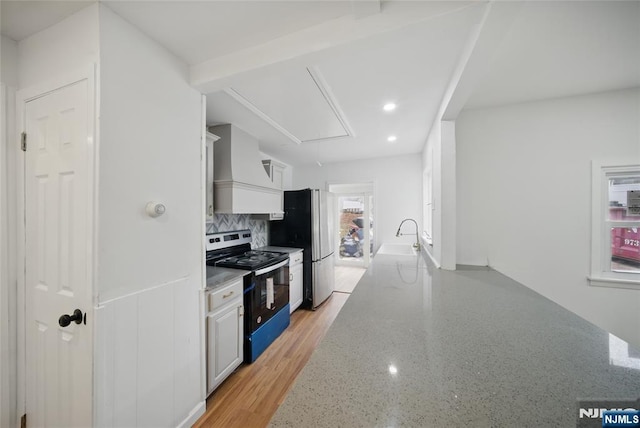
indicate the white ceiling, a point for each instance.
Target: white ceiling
{"x":200,"y":30}
{"x":406,"y":66}
{"x":545,"y":50}
{"x":555,"y":49}
{"x":22,"y":18}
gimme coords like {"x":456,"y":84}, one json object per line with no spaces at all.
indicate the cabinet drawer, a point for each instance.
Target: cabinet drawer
{"x":224,"y":295}
{"x":295,"y":258}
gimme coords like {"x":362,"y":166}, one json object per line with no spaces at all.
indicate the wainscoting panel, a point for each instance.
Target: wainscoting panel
{"x":148,"y":361}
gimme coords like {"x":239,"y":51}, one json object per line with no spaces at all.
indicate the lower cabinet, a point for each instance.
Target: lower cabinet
{"x":295,"y":280}
{"x":225,"y":331}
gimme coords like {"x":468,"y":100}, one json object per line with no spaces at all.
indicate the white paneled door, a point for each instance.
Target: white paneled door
{"x":57,"y":277}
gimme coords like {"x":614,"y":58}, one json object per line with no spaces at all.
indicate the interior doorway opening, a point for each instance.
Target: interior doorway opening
{"x":354,"y":217}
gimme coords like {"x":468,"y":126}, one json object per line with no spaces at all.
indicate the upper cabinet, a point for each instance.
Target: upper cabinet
{"x":275,"y":171}
{"x":211,"y":139}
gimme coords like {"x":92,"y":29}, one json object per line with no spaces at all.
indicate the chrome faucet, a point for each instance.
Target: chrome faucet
{"x":417,"y":244}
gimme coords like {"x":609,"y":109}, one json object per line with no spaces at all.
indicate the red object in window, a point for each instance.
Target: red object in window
{"x":625,"y":242}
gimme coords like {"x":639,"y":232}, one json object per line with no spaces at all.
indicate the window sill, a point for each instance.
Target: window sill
{"x":599,"y":281}
{"x":426,"y":239}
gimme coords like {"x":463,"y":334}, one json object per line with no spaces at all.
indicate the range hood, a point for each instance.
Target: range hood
{"x":240,"y":183}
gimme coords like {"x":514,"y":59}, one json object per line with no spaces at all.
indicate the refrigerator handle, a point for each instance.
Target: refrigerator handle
{"x":316,"y":253}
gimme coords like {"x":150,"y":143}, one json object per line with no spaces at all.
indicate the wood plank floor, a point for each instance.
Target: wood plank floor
{"x":252,"y":394}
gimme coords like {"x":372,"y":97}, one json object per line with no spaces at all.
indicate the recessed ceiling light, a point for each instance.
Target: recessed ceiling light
{"x":389,"y":107}
{"x":391,"y":138}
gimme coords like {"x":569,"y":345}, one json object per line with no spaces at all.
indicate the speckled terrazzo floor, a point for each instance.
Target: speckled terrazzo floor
{"x":420,"y":347}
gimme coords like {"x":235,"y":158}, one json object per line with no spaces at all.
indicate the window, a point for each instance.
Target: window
{"x":615,"y":251}
{"x":427,"y":183}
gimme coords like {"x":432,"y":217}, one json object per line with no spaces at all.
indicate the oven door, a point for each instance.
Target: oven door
{"x":268,"y":294}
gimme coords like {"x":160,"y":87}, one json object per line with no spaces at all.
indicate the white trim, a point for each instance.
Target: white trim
{"x":426,"y":239}
{"x":613,"y":283}
{"x":262,"y":115}
{"x":623,"y":223}
{"x":194,"y":415}
{"x":106,"y":298}
{"x":366,"y":190}
{"x":323,"y":87}
{"x":5,"y":388}
{"x":203,"y":247}
{"x":601,"y":274}
{"x":324,"y":91}
{"x":426,"y":250}
{"x":294,"y":48}
{"x":8,"y":299}
{"x":20,"y":256}
{"x":57,"y":82}
{"x":23,"y":96}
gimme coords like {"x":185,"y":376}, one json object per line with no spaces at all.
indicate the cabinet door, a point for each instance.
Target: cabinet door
{"x":224,"y":344}
{"x":295,"y":286}
{"x":277,"y":173}
{"x":211,"y":139}
{"x":209,"y":183}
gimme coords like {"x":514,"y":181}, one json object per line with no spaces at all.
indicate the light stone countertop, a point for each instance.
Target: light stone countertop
{"x":219,"y":276}
{"x":416,"y":346}
{"x":288,"y":250}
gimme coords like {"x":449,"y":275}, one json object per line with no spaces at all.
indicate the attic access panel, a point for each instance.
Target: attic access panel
{"x":298,"y":103}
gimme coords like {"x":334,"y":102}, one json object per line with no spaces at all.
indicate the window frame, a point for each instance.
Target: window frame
{"x":601,"y":273}
{"x":428,"y":200}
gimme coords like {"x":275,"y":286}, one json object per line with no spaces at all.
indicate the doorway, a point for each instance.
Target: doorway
{"x":355,"y":223}
{"x":57,"y":370}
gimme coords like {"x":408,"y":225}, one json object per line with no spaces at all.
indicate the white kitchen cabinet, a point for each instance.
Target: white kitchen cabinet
{"x":211,"y":139}
{"x":225,"y":328}
{"x":295,"y":280}
{"x":275,"y":171}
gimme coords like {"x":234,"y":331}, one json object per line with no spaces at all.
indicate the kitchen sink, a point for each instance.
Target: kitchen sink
{"x":397,"y":249}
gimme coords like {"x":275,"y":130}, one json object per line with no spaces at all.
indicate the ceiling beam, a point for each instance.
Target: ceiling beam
{"x":476,"y":58}
{"x":364,"y":8}
{"x":218,"y":73}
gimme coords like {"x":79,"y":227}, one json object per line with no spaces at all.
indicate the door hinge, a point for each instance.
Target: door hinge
{"x":23,"y":421}
{"x":23,"y":141}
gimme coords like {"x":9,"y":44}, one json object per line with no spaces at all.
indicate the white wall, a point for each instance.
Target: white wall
{"x":9,"y":62}
{"x":70,"y":45}
{"x":397,"y":195}
{"x":150,"y":142}
{"x":441,"y":148}
{"x":431,"y":155}
{"x":150,"y":150}
{"x":524,"y":196}
{"x":8,"y":297}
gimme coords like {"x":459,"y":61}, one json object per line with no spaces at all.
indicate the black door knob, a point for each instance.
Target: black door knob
{"x":65,"y":319}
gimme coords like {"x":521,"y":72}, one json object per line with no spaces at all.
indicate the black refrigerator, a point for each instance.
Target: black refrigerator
{"x":308,"y":224}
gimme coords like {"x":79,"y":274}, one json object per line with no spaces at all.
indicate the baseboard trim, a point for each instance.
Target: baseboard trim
{"x":194,"y":415}
{"x":428,"y":253}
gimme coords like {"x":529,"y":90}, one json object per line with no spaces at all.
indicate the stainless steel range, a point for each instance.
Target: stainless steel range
{"x":252,"y":260}
{"x":266,"y":289}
